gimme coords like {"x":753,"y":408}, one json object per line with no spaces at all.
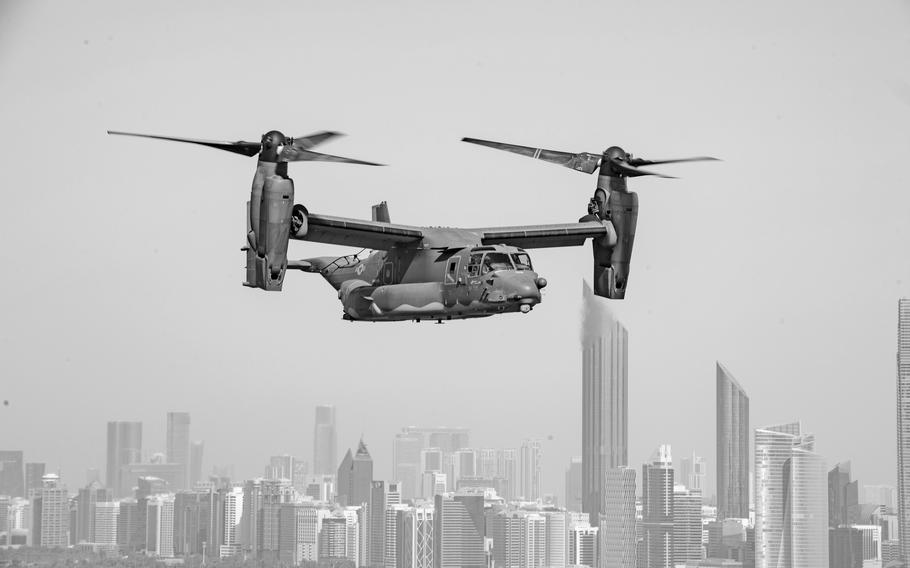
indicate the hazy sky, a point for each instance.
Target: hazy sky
{"x":121,"y":290}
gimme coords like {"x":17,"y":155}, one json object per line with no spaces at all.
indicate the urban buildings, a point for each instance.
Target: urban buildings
{"x":458,"y":534}
{"x":529,"y":470}
{"x":903,"y":425}
{"x":657,"y":483}
{"x":604,"y":436}
{"x":573,"y":484}
{"x":791,"y":501}
{"x":325,"y":441}
{"x":732,"y":433}
{"x":618,"y":538}
{"x":12,"y":479}
{"x":178,"y":446}
{"x":124,"y":447}
{"x":355,"y":477}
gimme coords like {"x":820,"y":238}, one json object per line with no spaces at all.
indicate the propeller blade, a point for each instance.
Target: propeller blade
{"x":639,"y":162}
{"x":583,"y":162}
{"x":239,"y":147}
{"x":289,"y":154}
{"x":314,"y":139}
{"x":629,"y":170}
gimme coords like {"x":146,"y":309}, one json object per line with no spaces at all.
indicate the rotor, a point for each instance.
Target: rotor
{"x":613,"y":162}
{"x":273,"y":147}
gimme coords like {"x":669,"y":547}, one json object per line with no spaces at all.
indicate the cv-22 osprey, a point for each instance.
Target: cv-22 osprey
{"x":431,"y":273}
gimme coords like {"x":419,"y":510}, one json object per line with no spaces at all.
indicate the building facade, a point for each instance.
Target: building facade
{"x":903,"y":426}
{"x":732,"y":432}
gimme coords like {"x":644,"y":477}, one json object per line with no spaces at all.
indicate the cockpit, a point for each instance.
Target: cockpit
{"x":480,"y":263}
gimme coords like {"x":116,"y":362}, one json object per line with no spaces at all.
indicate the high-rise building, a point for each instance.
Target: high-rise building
{"x":160,"y":525}
{"x":903,"y":425}
{"x":519,"y":539}
{"x":732,"y":433}
{"x":573,"y":484}
{"x":178,"y":446}
{"x":843,"y":496}
{"x":692,"y":473}
{"x":232,"y":513}
{"x":124,"y":446}
{"x":391,"y":538}
{"x":34,"y":477}
{"x":529,"y":470}
{"x":197,"y":521}
{"x":196,"y":449}
{"x":415,"y":537}
{"x":12,"y":480}
{"x":464,"y":462}
{"x":300,"y":526}
{"x":604,"y":434}
{"x":657,"y":482}
{"x":325,"y":441}
{"x":355,"y":477}
{"x":406,"y":463}
{"x":880,"y":495}
{"x":376,"y":527}
{"x":557,"y":537}
{"x":53,"y":520}
{"x":507,"y":461}
{"x":85,"y":516}
{"x":459,"y":532}
{"x":687,"y":527}
{"x":583,"y":545}
{"x":448,"y":439}
{"x":107,"y":516}
{"x":280,"y":467}
{"x":791,"y":501}
{"x":618,"y":536}
{"x":262,"y":501}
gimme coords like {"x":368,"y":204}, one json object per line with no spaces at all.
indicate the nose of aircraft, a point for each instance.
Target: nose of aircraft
{"x":518,"y":287}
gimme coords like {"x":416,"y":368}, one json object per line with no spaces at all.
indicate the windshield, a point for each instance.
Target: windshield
{"x":522,"y":261}
{"x":496,"y":261}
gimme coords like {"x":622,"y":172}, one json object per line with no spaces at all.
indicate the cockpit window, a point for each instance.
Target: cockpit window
{"x":496,"y":261}
{"x":522,"y":261}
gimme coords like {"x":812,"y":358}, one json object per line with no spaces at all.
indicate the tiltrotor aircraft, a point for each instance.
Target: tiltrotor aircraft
{"x":430,"y":273}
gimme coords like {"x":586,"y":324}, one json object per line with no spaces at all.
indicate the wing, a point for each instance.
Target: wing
{"x":358,"y":232}
{"x":543,"y":236}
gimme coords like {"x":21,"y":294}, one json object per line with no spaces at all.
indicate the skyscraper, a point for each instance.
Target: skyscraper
{"x":54,"y":517}
{"x":687,"y":529}
{"x":12,"y":480}
{"x":124,"y":446}
{"x":325,"y":442}
{"x":178,"y":446}
{"x":903,"y":425}
{"x":529,"y":470}
{"x":406,"y":463}
{"x":355,"y":477}
{"x":843,"y":496}
{"x":604,"y":435}
{"x":732,"y":447}
{"x":34,"y":477}
{"x":573,"y":484}
{"x":657,"y":510}
{"x":459,"y":532}
{"x":415,"y":537}
{"x":791,"y":500}
{"x":85,"y":515}
{"x":692,"y":473}
{"x":196,"y":449}
{"x":618,"y":538}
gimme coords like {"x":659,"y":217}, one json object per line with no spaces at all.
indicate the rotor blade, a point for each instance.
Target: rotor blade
{"x":631,"y":171}
{"x":314,"y":139}
{"x":239,"y":147}
{"x":583,"y":162}
{"x":639,"y":162}
{"x":291,"y":155}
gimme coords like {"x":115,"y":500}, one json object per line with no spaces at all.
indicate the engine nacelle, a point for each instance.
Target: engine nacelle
{"x":267,"y":263}
{"x":612,"y":256}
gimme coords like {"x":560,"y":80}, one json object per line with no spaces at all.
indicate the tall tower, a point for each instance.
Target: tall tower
{"x":195,"y":473}
{"x":530,"y":458}
{"x":459,"y":532}
{"x":325,"y":442}
{"x":791,"y":499}
{"x":54,"y":513}
{"x":903,"y":426}
{"x":355,"y":477}
{"x":178,"y":445}
{"x":124,"y":446}
{"x":657,"y":510}
{"x":604,"y":435}
{"x":732,"y":447}
{"x":406,"y":463}
{"x":12,"y":482}
{"x":618,"y":539}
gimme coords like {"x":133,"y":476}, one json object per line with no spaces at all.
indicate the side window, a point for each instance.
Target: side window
{"x":452,"y":270}
{"x":473,"y":267}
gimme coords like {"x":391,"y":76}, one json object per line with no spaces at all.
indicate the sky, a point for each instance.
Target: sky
{"x":121,"y":294}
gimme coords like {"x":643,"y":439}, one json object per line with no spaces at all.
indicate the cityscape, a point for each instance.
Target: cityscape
{"x":446,"y":503}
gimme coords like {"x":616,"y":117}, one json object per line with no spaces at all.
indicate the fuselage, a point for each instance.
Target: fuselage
{"x":449,"y":275}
